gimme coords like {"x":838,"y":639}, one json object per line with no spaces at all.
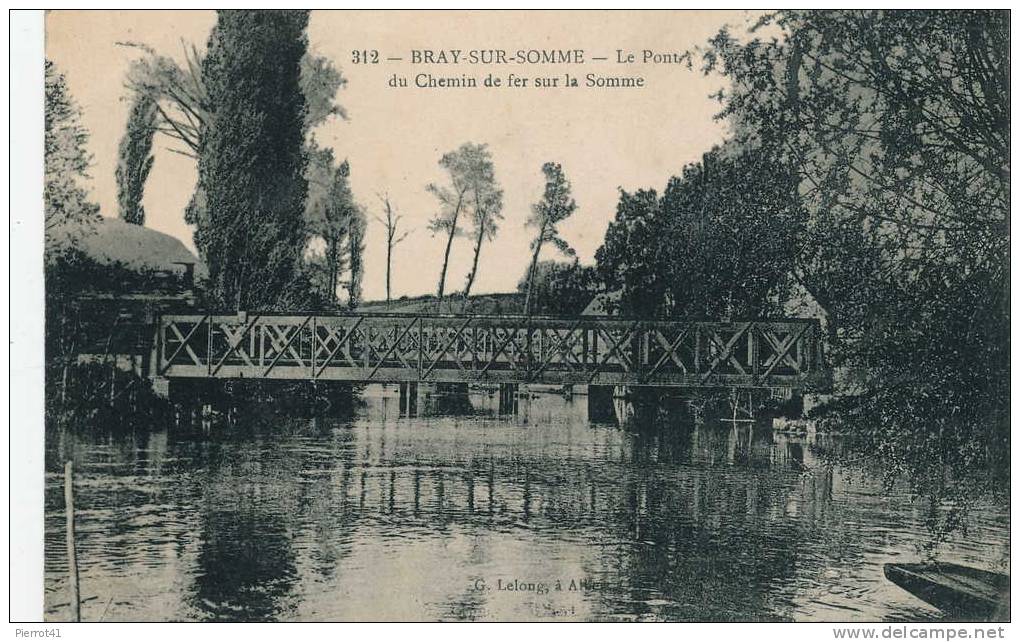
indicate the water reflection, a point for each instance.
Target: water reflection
{"x":469,"y":514}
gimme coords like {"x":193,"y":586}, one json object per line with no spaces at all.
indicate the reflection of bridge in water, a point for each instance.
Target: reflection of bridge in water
{"x":507,"y":350}
{"x":576,"y":492}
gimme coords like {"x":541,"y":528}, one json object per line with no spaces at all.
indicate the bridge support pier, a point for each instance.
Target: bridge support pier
{"x":452,"y":398}
{"x":425,"y":402}
{"x":600,"y":404}
{"x":409,"y":399}
{"x":508,"y":399}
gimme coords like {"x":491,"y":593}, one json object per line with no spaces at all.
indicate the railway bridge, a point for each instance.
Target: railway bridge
{"x":506,"y":350}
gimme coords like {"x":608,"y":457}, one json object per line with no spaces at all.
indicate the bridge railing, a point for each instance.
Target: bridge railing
{"x":584,"y":350}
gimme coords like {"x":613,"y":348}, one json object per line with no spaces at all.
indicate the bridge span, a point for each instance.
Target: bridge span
{"x":391,"y":348}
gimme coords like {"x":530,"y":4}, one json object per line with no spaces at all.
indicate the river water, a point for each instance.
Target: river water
{"x":475,"y":516}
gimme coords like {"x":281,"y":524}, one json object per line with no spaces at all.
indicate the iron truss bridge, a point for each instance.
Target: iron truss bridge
{"x":478,"y":349}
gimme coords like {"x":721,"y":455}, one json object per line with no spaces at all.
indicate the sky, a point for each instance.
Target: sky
{"x":606,"y":139}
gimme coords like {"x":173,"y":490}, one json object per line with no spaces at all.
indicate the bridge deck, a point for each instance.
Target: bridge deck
{"x":585,"y":350}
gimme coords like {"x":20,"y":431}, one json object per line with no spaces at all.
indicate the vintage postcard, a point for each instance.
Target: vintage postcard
{"x":543,"y":316}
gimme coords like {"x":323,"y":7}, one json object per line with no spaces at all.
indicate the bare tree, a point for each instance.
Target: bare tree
{"x":393,"y":235}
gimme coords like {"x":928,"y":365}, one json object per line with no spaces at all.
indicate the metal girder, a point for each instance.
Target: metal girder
{"x":584,"y":350}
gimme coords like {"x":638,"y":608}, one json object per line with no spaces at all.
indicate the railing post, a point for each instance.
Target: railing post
{"x":809,"y":342}
{"x":819,"y":355}
{"x":315,"y":337}
{"x":584,"y":348}
{"x":527,"y":349}
{"x":421,"y":344}
{"x":365,"y":333}
{"x":208,"y":346}
{"x":750,"y":346}
{"x":799,"y":358}
{"x":156,"y":353}
{"x":474,"y":347}
{"x":646,"y":346}
{"x":754,"y":341}
{"x":262,"y":346}
{"x":697,"y":347}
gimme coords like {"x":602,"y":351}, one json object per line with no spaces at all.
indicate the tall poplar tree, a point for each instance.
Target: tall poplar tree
{"x":134,"y":158}
{"x":487,"y":204}
{"x":355,"y":255}
{"x":331,"y":222}
{"x":251,"y":161}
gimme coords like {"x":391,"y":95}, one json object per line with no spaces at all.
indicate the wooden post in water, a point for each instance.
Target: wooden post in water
{"x":72,"y":554}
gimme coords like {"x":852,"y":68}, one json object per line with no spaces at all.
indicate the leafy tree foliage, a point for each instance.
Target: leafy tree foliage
{"x":327,"y":212}
{"x":68,"y":213}
{"x":718,"y":244}
{"x":355,"y":256}
{"x":134,"y":159}
{"x":556,"y":206}
{"x":251,"y":160}
{"x":896,"y":125}
{"x":486,"y":212}
{"x":66,"y":161}
{"x":560,"y":288}
{"x":337,"y":221}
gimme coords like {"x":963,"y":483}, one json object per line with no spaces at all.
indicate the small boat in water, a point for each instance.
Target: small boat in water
{"x":962,"y":592}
